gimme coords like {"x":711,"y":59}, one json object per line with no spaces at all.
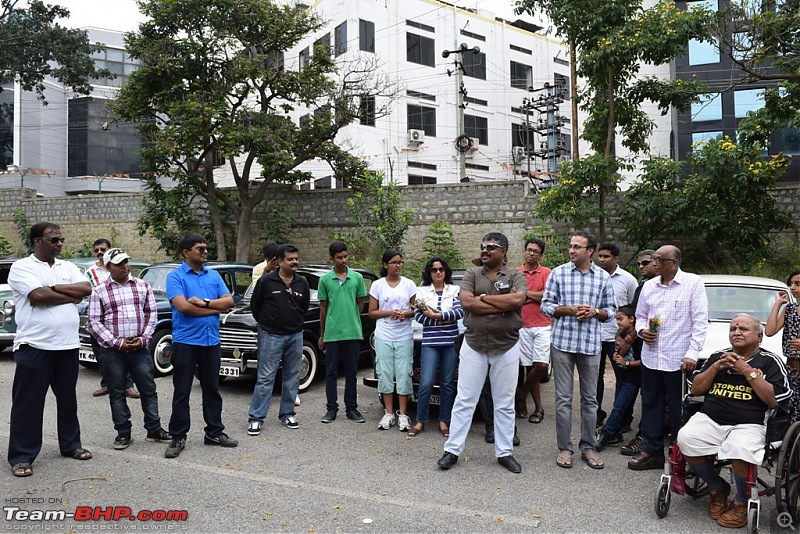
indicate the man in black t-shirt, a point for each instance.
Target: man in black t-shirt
{"x":740,"y":384}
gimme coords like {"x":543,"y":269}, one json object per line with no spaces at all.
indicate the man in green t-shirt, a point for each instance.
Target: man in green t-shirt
{"x":341,"y":294}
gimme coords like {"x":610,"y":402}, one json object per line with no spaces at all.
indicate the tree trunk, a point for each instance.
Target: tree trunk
{"x":243,"y":231}
{"x":213,"y":208}
{"x":573,"y":91}
{"x":609,"y":152}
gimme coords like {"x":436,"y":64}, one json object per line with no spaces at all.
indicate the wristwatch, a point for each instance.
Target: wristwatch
{"x":627,"y":363}
{"x":597,"y":313}
{"x":53,"y":287}
{"x":755,"y":373}
{"x":208,"y":302}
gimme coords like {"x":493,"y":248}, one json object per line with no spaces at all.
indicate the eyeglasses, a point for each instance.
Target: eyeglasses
{"x":437,"y":269}
{"x":490,"y":246}
{"x":395,"y":263}
{"x":55,"y":240}
{"x":644,"y":263}
{"x":576,"y":247}
{"x":533,"y":251}
{"x":99,"y":250}
{"x":662,"y":260}
{"x":201,"y":250}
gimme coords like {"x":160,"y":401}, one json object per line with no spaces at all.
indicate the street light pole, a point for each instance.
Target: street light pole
{"x":462,"y":93}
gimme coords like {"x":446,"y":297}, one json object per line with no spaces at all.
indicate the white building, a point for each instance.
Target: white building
{"x":415,"y":143}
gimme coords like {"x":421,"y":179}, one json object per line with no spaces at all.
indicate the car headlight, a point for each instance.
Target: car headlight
{"x":8,"y":307}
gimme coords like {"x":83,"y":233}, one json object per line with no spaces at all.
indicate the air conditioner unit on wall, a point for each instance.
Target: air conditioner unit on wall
{"x":518,"y":152}
{"x":416,"y":136}
{"x":474,"y":142}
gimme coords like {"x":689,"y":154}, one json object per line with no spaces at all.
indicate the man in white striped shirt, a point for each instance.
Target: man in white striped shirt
{"x":672,"y":319}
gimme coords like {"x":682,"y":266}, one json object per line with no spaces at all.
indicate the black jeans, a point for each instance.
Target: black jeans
{"x":656,"y":386}
{"x":185,"y":359}
{"x":347,"y":353}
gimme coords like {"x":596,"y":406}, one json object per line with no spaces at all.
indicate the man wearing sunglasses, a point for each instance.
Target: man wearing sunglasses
{"x":46,"y":344}
{"x":492,"y":296}
{"x":197,"y":296}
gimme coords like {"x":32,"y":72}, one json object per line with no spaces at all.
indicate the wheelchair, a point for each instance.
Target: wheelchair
{"x":781,"y":460}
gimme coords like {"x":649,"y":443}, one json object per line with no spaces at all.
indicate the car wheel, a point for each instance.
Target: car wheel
{"x":161,"y":349}
{"x":309,"y":364}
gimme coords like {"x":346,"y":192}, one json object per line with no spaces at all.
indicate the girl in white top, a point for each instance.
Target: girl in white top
{"x":391,"y":304}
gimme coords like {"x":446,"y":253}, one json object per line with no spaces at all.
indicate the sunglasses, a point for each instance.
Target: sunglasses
{"x":99,"y":250}
{"x":644,"y":263}
{"x":490,"y":246}
{"x":201,"y":250}
{"x":437,"y":269}
{"x":54,"y":240}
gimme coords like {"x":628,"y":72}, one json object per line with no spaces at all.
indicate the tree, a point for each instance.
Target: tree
{"x":440,"y":240}
{"x":723,"y":205}
{"x":34,"y":46}
{"x":213,"y":90}
{"x":613,"y":41}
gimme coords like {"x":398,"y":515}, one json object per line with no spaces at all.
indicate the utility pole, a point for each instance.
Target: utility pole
{"x":462,"y":142}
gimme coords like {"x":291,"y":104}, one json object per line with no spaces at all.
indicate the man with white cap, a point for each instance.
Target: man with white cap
{"x":122,"y":319}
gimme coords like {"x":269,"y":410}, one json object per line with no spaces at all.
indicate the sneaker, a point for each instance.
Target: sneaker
{"x":403,"y":422}
{"x":297,"y":400}
{"x":387,"y":421}
{"x":329,"y":417}
{"x":175,"y":448}
{"x":633,"y":447}
{"x":291,"y":422}
{"x":601,"y":440}
{"x":123,"y":440}
{"x":254,"y":428}
{"x":220,"y":439}
{"x":160,"y":435}
{"x":355,"y":415}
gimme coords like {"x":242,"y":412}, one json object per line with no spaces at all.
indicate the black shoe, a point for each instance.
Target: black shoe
{"x":123,"y":440}
{"x":515,"y":441}
{"x":175,"y":448}
{"x":489,"y":436}
{"x":159,"y":435}
{"x":447,"y":460}
{"x":633,"y":447}
{"x":510,"y":463}
{"x":329,"y":417}
{"x":353,"y":415}
{"x":643,"y":463}
{"x":220,"y":439}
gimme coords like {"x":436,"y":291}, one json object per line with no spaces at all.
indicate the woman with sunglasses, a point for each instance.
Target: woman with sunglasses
{"x":786,"y":314}
{"x":438,"y":311}
{"x":391,"y":301}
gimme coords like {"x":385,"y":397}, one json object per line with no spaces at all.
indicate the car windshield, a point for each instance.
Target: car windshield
{"x":726,"y":301}
{"x":157,"y":277}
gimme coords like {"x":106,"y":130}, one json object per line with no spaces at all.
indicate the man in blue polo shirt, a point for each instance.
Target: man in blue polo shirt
{"x":197,"y":296}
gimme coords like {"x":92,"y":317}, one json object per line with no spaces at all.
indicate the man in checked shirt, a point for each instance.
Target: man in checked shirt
{"x":122,"y":318}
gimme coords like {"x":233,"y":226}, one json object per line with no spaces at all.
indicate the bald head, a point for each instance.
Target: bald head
{"x":669,"y":252}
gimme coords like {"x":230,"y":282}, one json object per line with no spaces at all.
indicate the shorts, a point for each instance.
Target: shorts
{"x":534,"y":345}
{"x":701,"y":436}
{"x":393,"y":363}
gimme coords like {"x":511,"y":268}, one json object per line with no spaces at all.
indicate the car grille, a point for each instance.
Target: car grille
{"x":237,"y":338}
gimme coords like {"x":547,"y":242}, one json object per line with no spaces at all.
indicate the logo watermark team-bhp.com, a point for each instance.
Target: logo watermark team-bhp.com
{"x":87,"y":517}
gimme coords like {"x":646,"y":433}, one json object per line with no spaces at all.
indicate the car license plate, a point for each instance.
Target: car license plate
{"x":435,"y":400}
{"x":228,"y":371}
{"x":86,"y":355}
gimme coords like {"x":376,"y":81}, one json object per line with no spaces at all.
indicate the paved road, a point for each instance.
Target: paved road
{"x":342,"y":477}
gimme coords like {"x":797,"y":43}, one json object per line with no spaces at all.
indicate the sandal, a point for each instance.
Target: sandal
{"x":564,"y":459}
{"x":22,"y":470}
{"x":592,"y":460}
{"x":536,"y":417}
{"x":416,"y":429}
{"x":79,"y":454}
{"x":445,"y":430}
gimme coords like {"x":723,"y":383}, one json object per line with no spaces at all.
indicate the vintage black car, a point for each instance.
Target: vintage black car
{"x":237,"y":277}
{"x":239,"y":334}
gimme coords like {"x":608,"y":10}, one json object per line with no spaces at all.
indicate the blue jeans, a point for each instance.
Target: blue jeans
{"x":432,"y":357}
{"x":275,"y":351}
{"x":626,"y":396}
{"x":347,"y":352}
{"x":116,"y":368}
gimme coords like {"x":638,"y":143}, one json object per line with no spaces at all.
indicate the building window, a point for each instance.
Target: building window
{"x":474,"y":65}
{"x":477,"y":127}
{"x":366,"y":36}
{"x":420,"y":49}
{"x":520,"y":49}
{"x":415,"y":179}
{"x":420,"y":26}
{"x":708,"y":109}
{"x":366,"y":110}
{"x":521,"y":75}
{"x":477,"y":36}
{"x":6,"y":128}
{"x":790,"y":141}
{"x":703,"y":53}
{"x":422,"y":118}
{"x":562,"y":84}
{"x":323,"y":44}
{"x":747,"y":100}
{"x":421,"y":96}
{"x":304,"y":57}
{"x":477,"y":101}
{"x":420,"y":165}
{"x":340,"y":38}
{"x":522,"y":136}
{"x":704,"y":137}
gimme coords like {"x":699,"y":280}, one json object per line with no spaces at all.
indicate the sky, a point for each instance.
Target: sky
{"x":123,"y":15}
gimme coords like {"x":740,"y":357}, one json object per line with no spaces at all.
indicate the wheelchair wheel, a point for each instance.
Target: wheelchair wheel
{"x":662,"y":500}
{"x":787,"y":473}
{"x":696,"y":486}
{"x":752,"y":520}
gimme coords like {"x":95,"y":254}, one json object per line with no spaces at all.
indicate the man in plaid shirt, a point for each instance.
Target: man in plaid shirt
{"x":122,"y":319}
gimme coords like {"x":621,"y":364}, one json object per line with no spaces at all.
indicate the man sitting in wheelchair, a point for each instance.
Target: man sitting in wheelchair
{"x":740,"y":386}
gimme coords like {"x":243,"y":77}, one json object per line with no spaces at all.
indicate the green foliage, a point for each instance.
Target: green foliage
{"x":278,"y":224}
{"x":440,"y":241}
{"x":213,"y":90}
{"x":23,"y":229}
{"x":168,"y":216}
{"x":5,"y":248}
{"x":555,"y":249}
{"x":380,"y":222}
{"x":723,"y":205}
{"x":34,"y":46}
